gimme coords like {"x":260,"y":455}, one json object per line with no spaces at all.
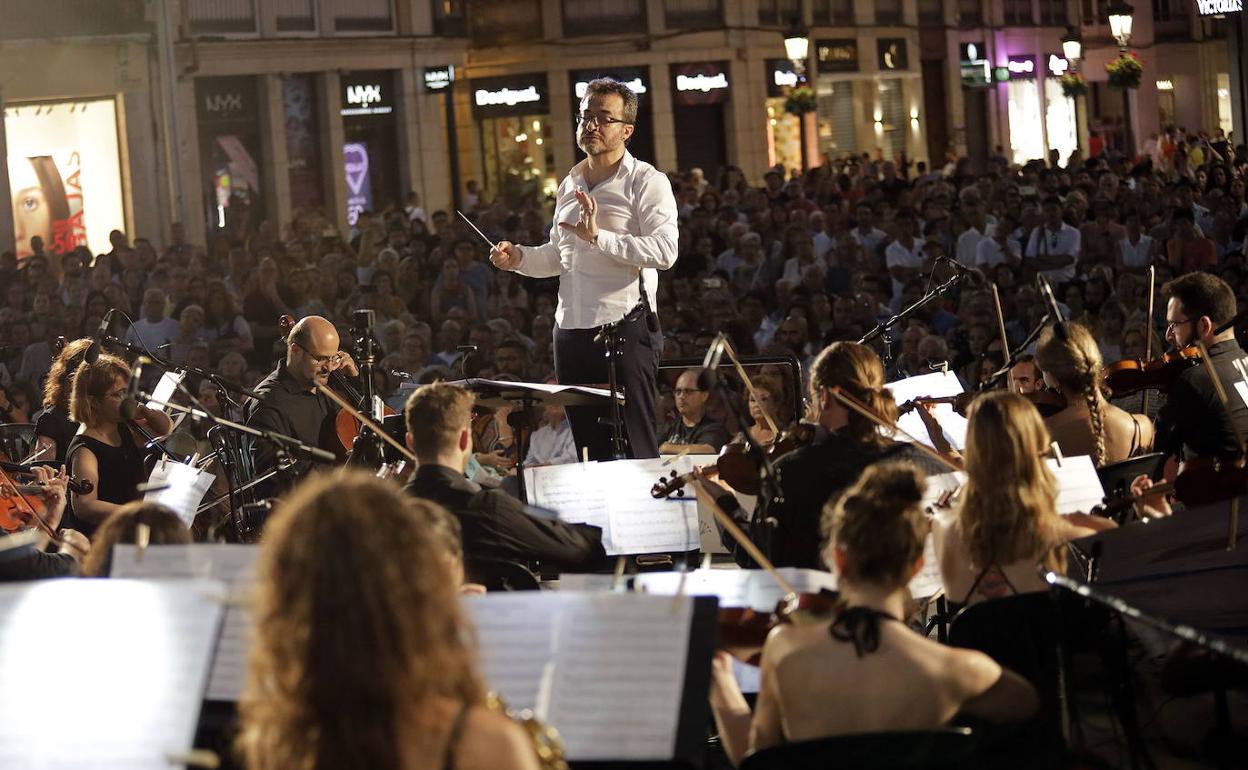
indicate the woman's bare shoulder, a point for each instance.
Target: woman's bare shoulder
{"x":492,"y":741}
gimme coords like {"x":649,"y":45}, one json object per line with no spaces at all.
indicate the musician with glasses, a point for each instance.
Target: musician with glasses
{"x":289,"y":402}
{"x":1193,"y":422}
{"x":616,"y":226}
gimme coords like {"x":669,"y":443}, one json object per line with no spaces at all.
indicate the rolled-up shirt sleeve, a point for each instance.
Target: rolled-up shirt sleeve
{"x":658,"y":217}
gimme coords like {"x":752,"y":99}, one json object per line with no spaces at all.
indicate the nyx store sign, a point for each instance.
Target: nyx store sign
{"x":367,"y":93}
{"x":225,"y":98}
{"x":510,"y":96}
{"x":439,"y":78}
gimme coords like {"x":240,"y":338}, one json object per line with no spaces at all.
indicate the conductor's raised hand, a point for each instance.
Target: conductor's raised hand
{"x":506,"y":256}
{"x":586,"y":227}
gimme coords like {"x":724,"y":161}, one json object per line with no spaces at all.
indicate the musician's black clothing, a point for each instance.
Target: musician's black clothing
{"x":1193,"y":419}
{"x":808,"y":478}
{"x":54,"y":423}
{"x":119,"y":469}
{"x":291,"y":408}
{"x":29,"y":563}
{"x":496,"y":526}
{"x":708,"y":431}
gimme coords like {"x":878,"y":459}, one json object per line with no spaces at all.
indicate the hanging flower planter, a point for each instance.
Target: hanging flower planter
{"x":801,"y":101}
{"x":1073,"y":85}
{"x":1125,"y":71}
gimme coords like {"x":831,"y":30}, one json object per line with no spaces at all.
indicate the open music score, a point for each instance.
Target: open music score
{"x":179,"y":487}
{"x":231,"y":564}
{"x":616,"y":497}
{"x":934,"y":385}
{"x":606,"y":670}
{"x":1078,"y":486}
{"x":135,"y":704}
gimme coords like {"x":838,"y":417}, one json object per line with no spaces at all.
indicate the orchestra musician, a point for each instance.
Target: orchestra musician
{"x":106,"y":452}
{"x":615,"y":227}
{"x":1025,"y":376}
{"x":810,"y":475}
{"x":495,"y":524}
{"x":865,"y":670}
{"x":32,"y":562}
{"x":289,"y":403}
{"x":1089,"y":424}
{"x":1006,"y":522}
{"x":122,"y":526}
{"x":53,"y":427}
{"x":361,"y":654}
{"x":1193,"y":422}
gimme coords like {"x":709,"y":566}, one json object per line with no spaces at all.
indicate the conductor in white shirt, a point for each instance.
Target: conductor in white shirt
{"x":616,"y":226}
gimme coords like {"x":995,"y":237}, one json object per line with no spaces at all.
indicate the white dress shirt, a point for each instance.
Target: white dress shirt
{"x":1137,"y":254}
{"x":897,"y":255}
{"x":552,"y":446}
{"x":969,"y":241}
{"x":1046,"y":242}
{"x":637,"y":230}
{"x":988,"y":253}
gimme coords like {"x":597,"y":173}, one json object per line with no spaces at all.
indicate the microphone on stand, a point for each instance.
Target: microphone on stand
{"x":972,"y":275}
{"x":93,"y":352}
{"x":130,"y":404}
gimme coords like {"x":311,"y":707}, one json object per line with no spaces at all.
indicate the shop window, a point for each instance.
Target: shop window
{"x":931,"y":12}
{"x":970,"y":13}
{"x":294,"y":15}
{"x":1018,"y":13}
{"x":361,"y":15}
{"x":839,"y":13}
{"x":694,"y":14}
{"x":888,"y":12}
{"x":598,"y":17}
{"x":448,"y":18}
{"x":779,"y":13}
{"x":1060,"y":119}
{"x":1026,"y":126}
{"x":519,"y":162}
{"x":838,"y":133}
{"x":893,"y":120}
{"x":505,"y":21}
{"x":222,"y":17}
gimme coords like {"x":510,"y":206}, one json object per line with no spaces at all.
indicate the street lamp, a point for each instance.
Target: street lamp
{"x":1121,"y":17}
{"x":796,"y":47}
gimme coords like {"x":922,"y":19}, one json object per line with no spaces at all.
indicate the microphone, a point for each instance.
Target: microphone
{"x":970,"y":274}
{"x":130,"y":404}
{"x":93,"y":353}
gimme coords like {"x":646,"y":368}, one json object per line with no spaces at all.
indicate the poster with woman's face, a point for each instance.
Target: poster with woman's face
{"x":64,"y":175}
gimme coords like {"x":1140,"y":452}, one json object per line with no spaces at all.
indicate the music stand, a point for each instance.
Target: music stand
{"x":526,"y":395}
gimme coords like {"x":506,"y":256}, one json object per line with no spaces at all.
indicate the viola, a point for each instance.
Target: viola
{"x":960,"y":402}
{"x":736,"y":467}
{"x":1047,"y":402}
{"x":1135,"y":374}
{"x":743,"y":630}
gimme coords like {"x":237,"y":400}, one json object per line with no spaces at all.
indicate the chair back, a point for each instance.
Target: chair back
{"x":954,"y":748}
{"x":17,"y":439}
{"x":499,"y":574}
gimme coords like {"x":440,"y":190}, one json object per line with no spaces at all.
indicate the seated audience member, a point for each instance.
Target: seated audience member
{"x":552,"y":443}
{"x":773,"y":399}
{"x":865,"y":670}
{"x":495,"y":524}
{"x":31,"y":561}
{"x":351,"y":565}
{"x":122,"y":526}
{"x":694,"y":431}
{"x":1006,"y":524}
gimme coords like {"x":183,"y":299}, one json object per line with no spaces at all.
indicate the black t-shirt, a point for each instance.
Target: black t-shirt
{"x":1193,"y":419}
{"x":120,"y":471}
{"x":54,"y":423}
{"x":290,"y":408}
{"x":707,"y":431}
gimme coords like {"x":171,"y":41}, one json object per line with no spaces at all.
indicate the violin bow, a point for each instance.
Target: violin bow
{"x":6,"y":482}
{"x":849,"y":401}
{"x":1150,"y":332}
{"x":743,"y":539}
{"x":996,"y":303}
{"x":1220,"y":388}
{"x":367,"y":421}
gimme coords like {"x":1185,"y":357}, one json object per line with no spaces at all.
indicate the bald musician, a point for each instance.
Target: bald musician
{"x":289,"y":403}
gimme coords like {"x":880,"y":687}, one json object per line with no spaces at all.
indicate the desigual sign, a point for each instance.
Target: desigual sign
{"x":701,"y":83}
{"x":508,"y":96}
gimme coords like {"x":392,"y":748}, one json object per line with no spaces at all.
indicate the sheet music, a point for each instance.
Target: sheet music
{"x":135,"y":702}
{"x":179,"y":487}
{"x":737,"y":587}
{"x":616,"y":496}
{"x":615,"y":666}
{"x":932,"y":385}
{"x":232,"y":564}
{"x":1078,"y":486}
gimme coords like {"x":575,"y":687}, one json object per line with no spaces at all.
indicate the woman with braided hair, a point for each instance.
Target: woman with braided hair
{"x":1089,"y":425}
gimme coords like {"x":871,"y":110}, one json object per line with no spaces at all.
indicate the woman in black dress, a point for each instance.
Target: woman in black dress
{"x":53,"y":427}
{"x":106,"y":452}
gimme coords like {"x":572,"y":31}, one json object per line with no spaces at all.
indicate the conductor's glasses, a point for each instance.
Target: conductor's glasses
{"x":589,"y":118}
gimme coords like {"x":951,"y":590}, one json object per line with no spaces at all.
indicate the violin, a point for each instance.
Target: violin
{"x":743,"y":630}
{"x":1133,"y":375}
{"x":1047,"y":402}
{"x":346,"y":425}
{"x":736,"y":467}
{"x":23,"y":504}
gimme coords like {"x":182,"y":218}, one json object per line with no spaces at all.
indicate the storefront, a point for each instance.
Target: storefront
{"x":1061,"y":123}
{"x":65,"y":176}
{"x":1025,"y":115}
{"x":513,"y":113}
{"x":976,"y":81}
{"x":784,"y":130}
{"x":370,"y":149}
{"x":228,"y":113}
{"x":892,"y":117}
{"x":700,"y":91}
{"x":641,"y":145}
{"x":838,"y":133}
{"x":300,"y":107}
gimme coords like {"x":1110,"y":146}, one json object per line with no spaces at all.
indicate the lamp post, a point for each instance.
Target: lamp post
{"x":796,"y":47}
{"x":1121,"y":17}
{"x":1072,"y":49}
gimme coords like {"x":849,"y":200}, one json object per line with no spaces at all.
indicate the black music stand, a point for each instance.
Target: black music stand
{"x":527,"y":395}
